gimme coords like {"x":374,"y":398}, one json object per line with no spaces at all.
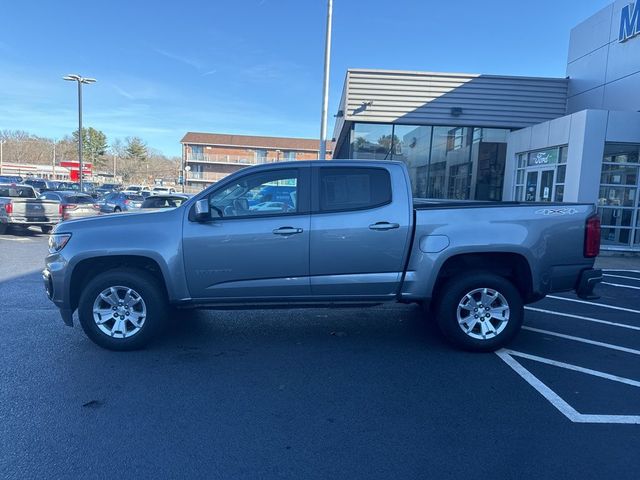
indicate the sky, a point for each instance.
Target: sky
{"x":249,"y":66}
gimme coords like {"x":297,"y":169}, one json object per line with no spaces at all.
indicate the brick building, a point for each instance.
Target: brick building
{"x":213,"y":156}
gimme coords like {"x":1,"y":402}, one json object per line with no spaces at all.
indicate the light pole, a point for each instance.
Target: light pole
{"x":325,"y":84}
{"x":2,"y":142}
{"x":80,"y":80}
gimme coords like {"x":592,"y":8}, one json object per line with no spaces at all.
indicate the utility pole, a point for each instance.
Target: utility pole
{"x":53,"y":161}
{"x":325,"y":84}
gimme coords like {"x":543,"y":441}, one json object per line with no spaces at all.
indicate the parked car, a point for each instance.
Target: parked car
{"x":74,"y":204}
{"x":21,"y":207}
{"x":39,"y":184}
{"x":120,"y":202}
{"x":8,"y":179}
{"x":136,"y":189}
{"x":354,"y":236}
{"x":164,"y":201}
{"x":162,"y":190}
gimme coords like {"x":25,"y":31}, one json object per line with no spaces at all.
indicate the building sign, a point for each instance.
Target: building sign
{"x":543,"y":157}
{"x":629,"y":22}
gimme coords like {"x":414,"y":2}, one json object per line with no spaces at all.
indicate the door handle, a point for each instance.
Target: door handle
{"x":381,"y":226}
{"x":287,"y":231}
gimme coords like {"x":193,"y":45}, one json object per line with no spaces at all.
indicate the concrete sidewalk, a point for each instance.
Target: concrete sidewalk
{"x":618,"y":261}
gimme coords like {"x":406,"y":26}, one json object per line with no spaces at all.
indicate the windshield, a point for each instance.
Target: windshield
{"x":78,"y":199}
{"x":135,"y":198}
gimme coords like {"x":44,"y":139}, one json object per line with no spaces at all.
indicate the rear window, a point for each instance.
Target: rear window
{"x":135,"y":198}
{"x":353,"y":188}
{"x":16,"y":191}
{"x":37,"y":183}
{"x":78,"y":199}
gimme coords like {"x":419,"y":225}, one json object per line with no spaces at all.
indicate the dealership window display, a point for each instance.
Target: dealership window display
{"x":618,"y":198}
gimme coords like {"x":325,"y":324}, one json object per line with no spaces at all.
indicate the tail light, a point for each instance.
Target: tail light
{"x":9,"y":208}
{"x":96,"y":206}
{"x":592,"y":237}
{"x":61,"y":209}
{"x":70,"y":206}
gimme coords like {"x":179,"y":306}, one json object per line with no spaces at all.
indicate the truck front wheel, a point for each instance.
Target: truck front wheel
{"x":479,"y":312}
{"x":123,"y":309}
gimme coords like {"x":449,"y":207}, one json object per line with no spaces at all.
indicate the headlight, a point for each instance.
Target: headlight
{"x":57,"y":241}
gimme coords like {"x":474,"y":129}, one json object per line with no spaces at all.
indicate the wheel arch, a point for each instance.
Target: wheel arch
{"x":84,"y":270}
{"x":512,"y":266}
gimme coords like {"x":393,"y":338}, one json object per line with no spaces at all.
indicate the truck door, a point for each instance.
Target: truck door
{"x":360,"y":227}
{"x":253,"y":249}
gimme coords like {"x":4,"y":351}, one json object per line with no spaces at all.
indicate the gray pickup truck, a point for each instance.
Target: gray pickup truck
{"x":321,"y":233}
{"x":21,"y":207}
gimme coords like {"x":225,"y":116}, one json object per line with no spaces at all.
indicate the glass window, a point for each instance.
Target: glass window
{"x":619,"y":174}
{"x":617,"y":196}
{"x":371,"y":141}
{"x":522,"y":160}
{"x":261,"y":155}
{"x":489,"y":158}
{"x":353,"y":188}
{"x":616,"y":217}
{"x":450,"y":155}
{"x":564,"y":154}
{"x":412,"y":147}
{"x":263,"y":193}
{"x":559,"y":194}
{"x":562,"y":172}
{"x":621,"y":153}
{"x":616,"y":236}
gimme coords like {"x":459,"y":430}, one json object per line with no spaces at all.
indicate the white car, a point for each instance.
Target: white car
{"x":136,"y":189}
{"x":163,"y":191}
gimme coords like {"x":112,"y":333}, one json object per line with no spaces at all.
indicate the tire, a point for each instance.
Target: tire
{"x":46,"y":229}
{"x":117,"y":209}
{"x":456,"y":311}
{"x":140,"y":318}
{"x":3,"y":228}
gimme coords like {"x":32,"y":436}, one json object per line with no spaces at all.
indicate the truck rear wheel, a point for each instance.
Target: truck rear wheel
{"x":123,"y":309}
{"x":46,"y":228}
{"x":480,"y":312}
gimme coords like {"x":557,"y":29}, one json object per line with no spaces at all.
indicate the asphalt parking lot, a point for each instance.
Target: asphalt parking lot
{"x":338,"y":393}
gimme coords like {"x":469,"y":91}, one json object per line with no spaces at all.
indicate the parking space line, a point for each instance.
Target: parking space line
{"x":15,"y":239}
{"x":620,"y":285}
{"x":584,"y":340}
{"x":637,"y":279}
{"x":575,"y":368}
{"x":552,"y":397}
{"x":580,"y":317}
{"x":604,"y":305}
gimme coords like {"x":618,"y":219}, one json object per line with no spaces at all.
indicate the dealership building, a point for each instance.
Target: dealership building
{"x":496,"y":137}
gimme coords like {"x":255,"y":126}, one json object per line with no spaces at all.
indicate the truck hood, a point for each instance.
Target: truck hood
{"x":131,"y":220}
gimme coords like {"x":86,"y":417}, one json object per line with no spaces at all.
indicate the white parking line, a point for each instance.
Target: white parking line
{"x":580,"y":317}
{"x":555,"y":399}
{"x":619,"y":270}
{"x":584,"y":340}
{"x":16,"y":239}
{"x":637,"y":279}
{"x":604,"y":305}
{"x":575,"y":368}
{"x":620,"y":285}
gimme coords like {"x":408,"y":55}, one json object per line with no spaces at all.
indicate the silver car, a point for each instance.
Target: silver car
{"x":74,"y":204}
{"x":120,"y":202}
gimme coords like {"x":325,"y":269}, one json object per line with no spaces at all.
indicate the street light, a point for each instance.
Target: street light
{"x":322,"y":155}
{"x":80,"y":80}
{"x":2,"y":142}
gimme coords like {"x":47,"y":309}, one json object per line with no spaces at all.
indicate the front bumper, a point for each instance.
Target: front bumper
{"x":53,"y":279}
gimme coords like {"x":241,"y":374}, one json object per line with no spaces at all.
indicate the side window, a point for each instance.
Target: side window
{"x":265,"y":193}
{"x":354,"y":188}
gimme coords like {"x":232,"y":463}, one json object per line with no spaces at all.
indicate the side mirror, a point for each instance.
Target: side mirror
{"x":202,"y":212}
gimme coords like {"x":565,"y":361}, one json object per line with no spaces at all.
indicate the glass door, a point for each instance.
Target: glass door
{"x":531,"y":187}
{"x":545,"y":190}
